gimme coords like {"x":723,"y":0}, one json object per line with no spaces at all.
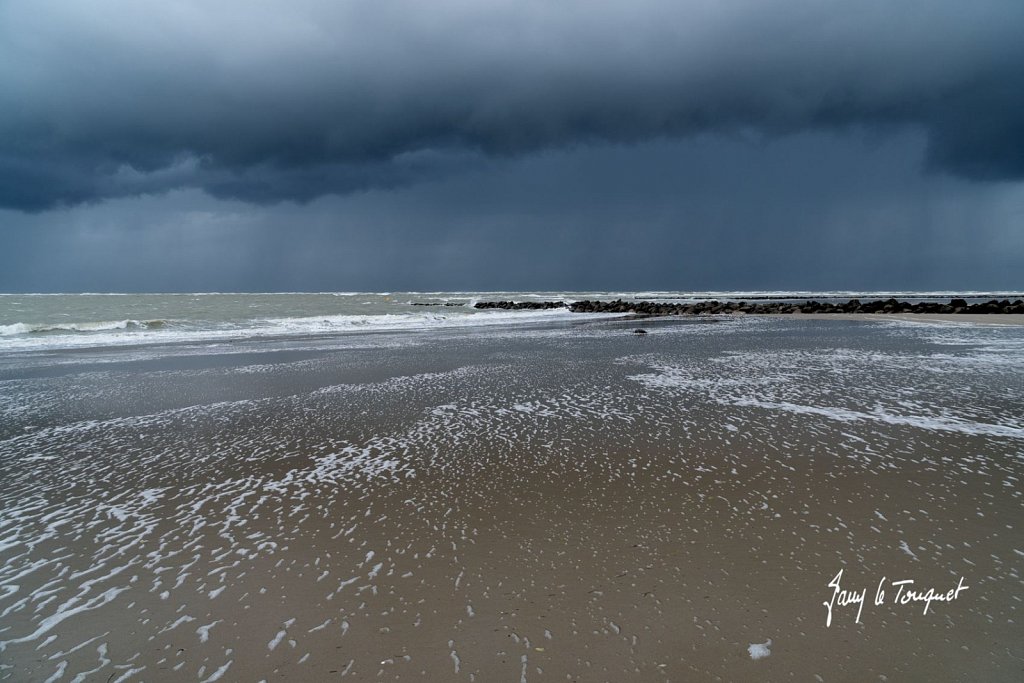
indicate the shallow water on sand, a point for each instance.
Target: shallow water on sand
{"x":556,"y":503}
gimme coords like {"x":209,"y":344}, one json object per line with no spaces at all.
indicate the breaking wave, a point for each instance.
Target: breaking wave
{"x":21,"y":336}
{"x":100,"y":326}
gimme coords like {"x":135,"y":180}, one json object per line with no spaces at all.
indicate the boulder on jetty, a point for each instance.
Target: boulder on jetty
{"x":655,"y":308}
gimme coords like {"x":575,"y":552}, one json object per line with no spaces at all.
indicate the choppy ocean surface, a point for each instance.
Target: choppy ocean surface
{"x":56,"y":321}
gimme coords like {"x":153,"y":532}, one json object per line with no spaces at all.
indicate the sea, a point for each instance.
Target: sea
{"x":65,"y":321}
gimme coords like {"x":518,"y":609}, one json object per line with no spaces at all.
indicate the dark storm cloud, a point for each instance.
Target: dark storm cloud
{"x":274,"y":100}
{"x":809,"y":211}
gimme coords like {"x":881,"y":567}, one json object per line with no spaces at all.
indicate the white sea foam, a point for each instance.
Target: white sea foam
{"x":760,"y":650}
{"x":204,"y":631}
{"x":276,"y":640}
{"x":791,"y":381}
{"x":216,"y":675}
{"x":919,"y":421}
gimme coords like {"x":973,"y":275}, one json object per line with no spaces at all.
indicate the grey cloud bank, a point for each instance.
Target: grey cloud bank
{"x":270,"y":101}
{"x":811,"y":211}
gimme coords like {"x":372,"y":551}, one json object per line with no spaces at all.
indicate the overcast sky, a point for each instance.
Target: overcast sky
{"x":476,"y":144}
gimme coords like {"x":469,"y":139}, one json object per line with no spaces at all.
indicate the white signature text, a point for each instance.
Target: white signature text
{"x":905,"y":593}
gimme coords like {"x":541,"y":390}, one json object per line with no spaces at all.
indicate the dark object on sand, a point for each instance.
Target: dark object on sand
{"x":639,"y":331}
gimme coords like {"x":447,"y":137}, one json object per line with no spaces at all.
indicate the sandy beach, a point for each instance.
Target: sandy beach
{"x":568,"y":502}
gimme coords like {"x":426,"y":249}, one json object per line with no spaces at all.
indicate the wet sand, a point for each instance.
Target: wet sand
{"x":572,"y":504}
{"x":963,"y":318}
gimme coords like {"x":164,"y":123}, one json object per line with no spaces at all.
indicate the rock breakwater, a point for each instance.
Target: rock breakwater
{"x":956,"y":305}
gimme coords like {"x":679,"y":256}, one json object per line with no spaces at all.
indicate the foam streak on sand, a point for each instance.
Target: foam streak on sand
{"x":760,"y":650}
{"x":785,"y":381}
{"x":919,"y":421}
{"x":248,"y":517}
